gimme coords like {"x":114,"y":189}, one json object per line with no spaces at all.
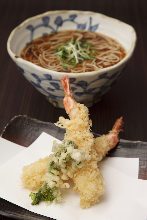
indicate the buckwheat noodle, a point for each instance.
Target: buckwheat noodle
{"x":41,"y":51}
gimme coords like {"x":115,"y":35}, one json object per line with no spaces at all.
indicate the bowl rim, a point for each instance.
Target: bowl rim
{"x":48,"y":71}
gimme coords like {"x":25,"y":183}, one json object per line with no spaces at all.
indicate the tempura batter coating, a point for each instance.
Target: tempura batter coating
{"x":32,"y":175}
{"x":78,"y":128}
{"x":88,"y":181}
{"x":105,"y":143}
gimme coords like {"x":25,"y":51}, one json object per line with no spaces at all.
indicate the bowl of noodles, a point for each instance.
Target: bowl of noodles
{"x":91,"y":48}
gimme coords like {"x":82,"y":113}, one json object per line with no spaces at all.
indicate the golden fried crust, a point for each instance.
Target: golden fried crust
{"x":89,"y":184}
{"x":102,"y":146}
{"x":88,"y":181}
{"x":78,"y":129}
{"x":32,"y":175}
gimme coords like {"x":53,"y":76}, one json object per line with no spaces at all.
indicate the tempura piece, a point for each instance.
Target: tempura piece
{"x":89,"y":183}
{"x":88,"y":180}
{"x":76,"y":158}
{"x":105,"y":143}
{"x":78,"y":126}
{"x":33,"y":174}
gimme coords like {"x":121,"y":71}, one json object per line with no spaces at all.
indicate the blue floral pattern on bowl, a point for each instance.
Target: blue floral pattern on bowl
{"x":87,"y":88}
{"x":51,"y":87}
{"x":59,"y":22}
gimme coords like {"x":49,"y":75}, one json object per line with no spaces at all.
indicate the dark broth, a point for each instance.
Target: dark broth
{"x":41,"y":51}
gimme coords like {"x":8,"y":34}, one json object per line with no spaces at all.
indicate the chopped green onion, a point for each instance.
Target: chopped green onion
{"x":53,"y":166}
{"x":93,"y":51}
{"x":73,"y":52}
{"x":65,"y":67}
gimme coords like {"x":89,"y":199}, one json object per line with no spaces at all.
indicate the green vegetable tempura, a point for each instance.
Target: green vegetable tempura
{"x":45,"y":193}
{"x":65,"y":156}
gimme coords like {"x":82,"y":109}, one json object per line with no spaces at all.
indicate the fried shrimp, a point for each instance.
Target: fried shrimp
{"x":75,"y":158}
{"x":105,"y":143}
{"x":78,"y":126}
{"x":89,"y":183}
{"x":88,"y":180}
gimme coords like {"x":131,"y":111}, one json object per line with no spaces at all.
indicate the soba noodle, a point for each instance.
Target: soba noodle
{"x":41,"y":51}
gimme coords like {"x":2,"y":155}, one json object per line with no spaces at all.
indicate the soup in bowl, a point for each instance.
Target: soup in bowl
{"x":91,"y":48}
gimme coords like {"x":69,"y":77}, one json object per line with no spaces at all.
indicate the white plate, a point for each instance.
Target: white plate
{"x":8,"y":150}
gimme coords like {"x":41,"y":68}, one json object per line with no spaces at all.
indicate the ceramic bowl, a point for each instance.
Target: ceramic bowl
{"x":87,"y":87}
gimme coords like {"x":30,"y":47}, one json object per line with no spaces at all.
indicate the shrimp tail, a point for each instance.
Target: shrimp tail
{"x":117,"y":127}
{"x":109,"y":141}
{"x":68,"y":101}
{"x":113,"y":135}
{"x":66,"y":86}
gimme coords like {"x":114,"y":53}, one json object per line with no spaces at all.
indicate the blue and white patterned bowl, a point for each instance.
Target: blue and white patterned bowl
{"x":87,"y":87}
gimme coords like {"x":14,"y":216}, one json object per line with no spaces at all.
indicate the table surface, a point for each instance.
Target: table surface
{"x":127,"y":98}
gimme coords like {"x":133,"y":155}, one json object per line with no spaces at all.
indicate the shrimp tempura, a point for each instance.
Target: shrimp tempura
{"x":88,"y":180}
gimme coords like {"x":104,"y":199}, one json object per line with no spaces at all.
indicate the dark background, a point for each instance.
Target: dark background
{"x":128,"y":97}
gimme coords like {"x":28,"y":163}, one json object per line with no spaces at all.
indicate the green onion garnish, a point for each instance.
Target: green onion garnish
{"x":74,"y":52}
